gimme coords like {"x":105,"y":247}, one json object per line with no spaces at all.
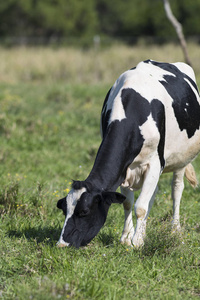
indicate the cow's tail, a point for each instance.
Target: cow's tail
{"x":190,"y":175}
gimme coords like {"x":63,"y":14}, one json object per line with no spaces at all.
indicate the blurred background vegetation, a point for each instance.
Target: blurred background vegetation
{"x":85,"y":22}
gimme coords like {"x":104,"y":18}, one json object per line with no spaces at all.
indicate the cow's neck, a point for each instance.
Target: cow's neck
{"x":110,"y":165}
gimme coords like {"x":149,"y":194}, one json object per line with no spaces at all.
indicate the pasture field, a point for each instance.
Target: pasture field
{"x":50,"y":102}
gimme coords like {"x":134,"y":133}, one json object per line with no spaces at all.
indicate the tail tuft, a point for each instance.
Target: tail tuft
{"x":190,"y":175}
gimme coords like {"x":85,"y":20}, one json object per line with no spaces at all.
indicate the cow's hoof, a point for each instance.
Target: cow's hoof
{"x":126,"y":241}
{"x":138,"y":242}
{"x":176,"y":228}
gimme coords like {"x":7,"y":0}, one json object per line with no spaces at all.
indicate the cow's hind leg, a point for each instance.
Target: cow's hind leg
{"x":128,"y":230}
{"x":177,"y":190}
{"x":145,"y":201}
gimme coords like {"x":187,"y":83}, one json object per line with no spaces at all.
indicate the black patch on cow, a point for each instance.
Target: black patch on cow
{"x":105,"y":114}
{"x":185,"y":104}
{"x":137,"y":108}
{"x":158,"y":114}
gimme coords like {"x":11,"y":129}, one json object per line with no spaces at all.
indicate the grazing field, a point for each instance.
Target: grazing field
{"x":50,"y":103}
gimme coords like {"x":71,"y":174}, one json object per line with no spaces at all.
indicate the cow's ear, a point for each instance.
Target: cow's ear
{"x":113,"y":197}
{"x":61,"y":203}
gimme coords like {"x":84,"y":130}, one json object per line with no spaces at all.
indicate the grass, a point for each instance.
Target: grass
{"x":49,"y":133}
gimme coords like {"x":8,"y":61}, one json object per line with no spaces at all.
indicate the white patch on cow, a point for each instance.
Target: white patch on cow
{"x":151,"y":137}
{"x":186,"y":69}
{"x":71,"y":199}
{"x":118,"y":112}
{"x":149,"y":130}
{"x":114,"y":101}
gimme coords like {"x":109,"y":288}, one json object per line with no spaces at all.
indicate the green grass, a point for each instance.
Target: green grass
{"x":49,"y":134}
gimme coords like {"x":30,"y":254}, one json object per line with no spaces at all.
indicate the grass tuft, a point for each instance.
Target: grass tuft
{"x":161,"y":240}
{"x":9,"y":198}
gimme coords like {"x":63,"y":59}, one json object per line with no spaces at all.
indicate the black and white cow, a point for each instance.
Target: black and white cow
{"x":150,"y":124}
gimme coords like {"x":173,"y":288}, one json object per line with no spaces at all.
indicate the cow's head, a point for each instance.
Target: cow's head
{"x":86,"y":213}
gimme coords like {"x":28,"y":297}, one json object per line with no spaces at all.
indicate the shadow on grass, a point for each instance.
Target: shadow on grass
{"x":50,"y":235}
{"x":47,"y":235}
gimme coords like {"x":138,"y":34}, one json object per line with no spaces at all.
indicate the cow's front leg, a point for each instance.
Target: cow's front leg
{"x":177,"y":189}
{"x":145,"y":202}
{"x":128,"y":230}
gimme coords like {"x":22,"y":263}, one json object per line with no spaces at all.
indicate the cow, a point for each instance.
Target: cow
{"x":150,"y":124}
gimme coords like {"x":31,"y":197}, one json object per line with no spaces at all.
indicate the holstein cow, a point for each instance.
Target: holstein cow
{"x":150,"y":124}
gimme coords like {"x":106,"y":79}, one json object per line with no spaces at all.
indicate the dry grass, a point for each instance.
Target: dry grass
{"x":83,"y":66}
